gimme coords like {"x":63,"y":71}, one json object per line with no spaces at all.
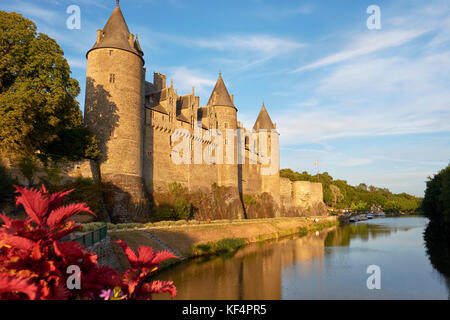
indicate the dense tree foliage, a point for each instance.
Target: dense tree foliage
{"x":6,"y":184}
{"x":38,"y":110}
{"x":436,"y":206}
{"x":436,"y":203}
{"x":341,"y":195}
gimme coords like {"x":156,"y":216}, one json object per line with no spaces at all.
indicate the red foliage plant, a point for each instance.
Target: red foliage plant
{"x":34,"y":261}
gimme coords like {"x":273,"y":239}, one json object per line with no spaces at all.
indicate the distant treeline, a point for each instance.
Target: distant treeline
{"x":436,"y":203}
{"x":340,"y":195}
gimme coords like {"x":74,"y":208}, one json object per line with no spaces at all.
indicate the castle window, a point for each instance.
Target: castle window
{"x":226,"y":125}
{"x":110,"y":52}
{"x":112,"y":78}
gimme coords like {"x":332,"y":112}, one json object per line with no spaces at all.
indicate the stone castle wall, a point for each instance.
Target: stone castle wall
{"x":300,"y":194}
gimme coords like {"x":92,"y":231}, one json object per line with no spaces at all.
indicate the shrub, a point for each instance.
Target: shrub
{"x":303,"y":231}
{"x":28,"y":166}
{"x":180,"y":222}
{"x":229,"y":245}
{"x":111,"y":226}
{"x":92,"y":226}
{"x":177,"y":189}
{"x":182,"y":209}
{"x":248,"y":199}
{"x":163,"y":214}
{"x":223,"y":246}
{"x":34,"y":261}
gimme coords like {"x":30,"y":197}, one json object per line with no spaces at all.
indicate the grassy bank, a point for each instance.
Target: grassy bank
{"x":220,"y":237}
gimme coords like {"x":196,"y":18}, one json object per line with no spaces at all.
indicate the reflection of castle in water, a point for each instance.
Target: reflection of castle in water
{"x":253,"y":273}
{"x":271,"y":270}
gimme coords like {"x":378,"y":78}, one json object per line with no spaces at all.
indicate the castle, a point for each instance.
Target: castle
{"x":138,"y":124}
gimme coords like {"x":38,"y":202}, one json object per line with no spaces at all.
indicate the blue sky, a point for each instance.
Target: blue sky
{"x":371,"y":106}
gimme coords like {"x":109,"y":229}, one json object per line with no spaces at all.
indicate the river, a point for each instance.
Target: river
{"x":331,"y":264}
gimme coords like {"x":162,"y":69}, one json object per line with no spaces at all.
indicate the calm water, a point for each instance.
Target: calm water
{"x":328,"y":265}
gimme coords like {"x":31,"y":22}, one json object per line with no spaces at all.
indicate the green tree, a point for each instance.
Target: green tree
{"x":341,"y":195}
{"x":37,"y":94}
{"x":436,"y":203}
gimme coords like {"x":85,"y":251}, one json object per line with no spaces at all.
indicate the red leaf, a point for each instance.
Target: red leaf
{"x":59,"y":215}
{"x":131,"y":256}
{"x":68,"y":249}
{"x":159,"y":287}
{"x":161,"y":256}
{"x":10,"y":284}
{"x":19,"y":242}
{"x":34,"y":203}
{"x":6,"y":220}
{"x":68,"y":229}
{"x":55,"y":199}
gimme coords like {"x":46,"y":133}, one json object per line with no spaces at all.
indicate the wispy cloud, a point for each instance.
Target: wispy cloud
{"x":366,"y":44}
{"x":184,"y":79}
{"x":280,"y":12}
{"x":33,"y":11}
{"x":76,"y":63}
{"x":260,"y":43}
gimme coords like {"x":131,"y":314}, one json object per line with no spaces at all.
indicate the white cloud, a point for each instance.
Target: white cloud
{"x":366,"y":44}
{"x":30,"y":10}
{"x":277,"y":12}
{"x":265,"y":44}
{"x":76,"y":63}
{"x":184,"y":79}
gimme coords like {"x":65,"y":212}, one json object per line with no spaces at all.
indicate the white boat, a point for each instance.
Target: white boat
{"x":353,"y":219}
{"x":362,"y":217}
{"x":369,"y":216}
{"x":380,"y":214}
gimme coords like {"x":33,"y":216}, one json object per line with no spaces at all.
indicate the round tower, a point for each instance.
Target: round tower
{"x":114,"y":104}
{"x":224,"y":117}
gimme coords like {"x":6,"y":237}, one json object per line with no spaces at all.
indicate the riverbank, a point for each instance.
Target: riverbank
{"x":203,"y":239}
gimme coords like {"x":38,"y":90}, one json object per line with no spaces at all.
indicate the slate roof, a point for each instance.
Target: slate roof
{"x":263,"y":120}
{"x":220,"y":96}
{"x":116,"y":34}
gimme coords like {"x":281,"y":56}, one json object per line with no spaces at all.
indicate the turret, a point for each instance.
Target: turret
{"x":114,"y":104}
{"x":223,"y":116}
{"x":270,"y":174}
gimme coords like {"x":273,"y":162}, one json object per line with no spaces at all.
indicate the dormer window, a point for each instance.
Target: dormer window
{"x":112,"y":78}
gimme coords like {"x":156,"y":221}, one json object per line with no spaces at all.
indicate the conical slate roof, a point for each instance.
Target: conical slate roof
{"x":116,"y":34}
{"x":263,"y":120}
{"x":220,"y":96}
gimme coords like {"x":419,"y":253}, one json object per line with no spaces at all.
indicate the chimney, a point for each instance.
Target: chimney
{"x":131,"y":40}
{"x":232,"y":98}
{"x":99,"y":35}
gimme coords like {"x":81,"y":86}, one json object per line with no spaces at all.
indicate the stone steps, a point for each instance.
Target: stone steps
{"x":164,"y":245}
